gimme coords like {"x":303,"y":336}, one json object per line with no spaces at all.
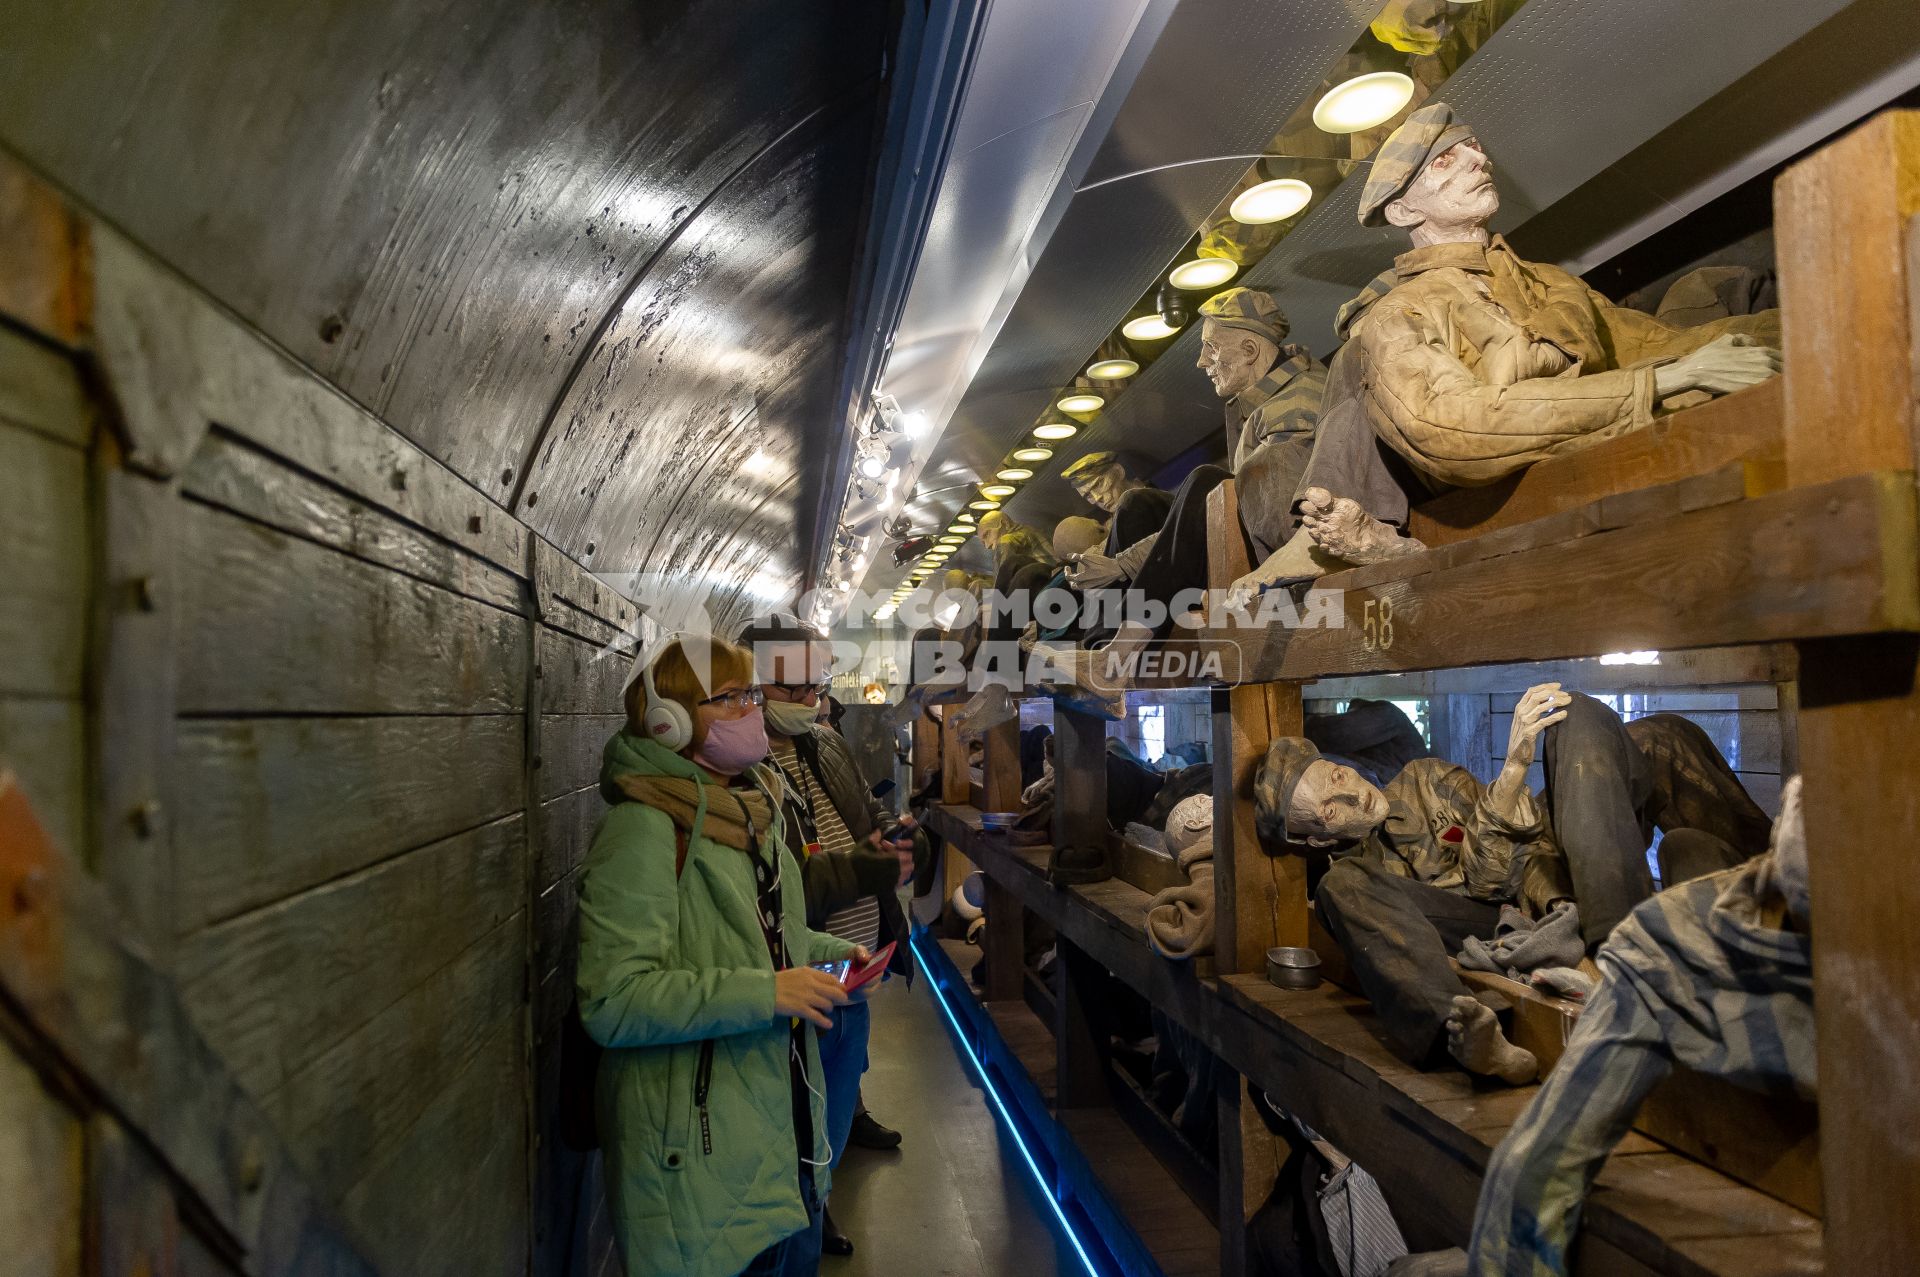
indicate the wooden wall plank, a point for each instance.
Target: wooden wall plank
{"x":347,"y":1107}
{"x":40,"y":390}
{"x":571,"y":746}
{"x":556,"y":914}
{"x":1261,"y":898}
{"x":274,"y":988}
{"x":41,"y":1157}
{"x":44,"y":743}
{"x":275,"y":624}
{"x":577,"y":677}
{"x":570,"y":597}
{"x":567,"y":824}
{"x":44,"y":565}
{"x":237,"y":476}
{"x":47,"y":283}
{"x":450,"y":1198}
{"x":178,"y":362}
{"x":280,"y":805}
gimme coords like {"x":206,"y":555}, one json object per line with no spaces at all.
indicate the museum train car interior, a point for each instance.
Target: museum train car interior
{"x":1113,"y":637}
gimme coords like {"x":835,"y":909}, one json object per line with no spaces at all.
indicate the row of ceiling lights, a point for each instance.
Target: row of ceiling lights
{"x":1362,"y":102}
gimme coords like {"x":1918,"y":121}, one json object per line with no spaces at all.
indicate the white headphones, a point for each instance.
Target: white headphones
{"x":665,"y":722}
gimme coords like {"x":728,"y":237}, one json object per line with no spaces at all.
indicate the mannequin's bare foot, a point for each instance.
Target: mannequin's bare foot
{"x":1475,"y":1040}
{"x":1341,"y":528}
{"x":1298,"y":560}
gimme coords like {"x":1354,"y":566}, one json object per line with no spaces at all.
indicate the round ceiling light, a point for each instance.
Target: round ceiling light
{"x":1033,"y":454}
{"x":1112,"y":369}
{"x":953,"y":540}
{"x":961,"y":527}
{"x":997,"y":490}
{"x":983,"y":505}
{"x":1147,"y":328}
{"x":1081,"y":402}
{"x":1202,"y":272}
{"x":1014,"y":474}
{"x":1056,"y":430}
{"x":1273,"y":201}
{"x":1363,"y":102}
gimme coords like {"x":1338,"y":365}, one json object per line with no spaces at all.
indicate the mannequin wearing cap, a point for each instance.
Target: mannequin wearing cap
{"x":1272,"y":392}
{"x":1135,"y":511}
{"x":1424,"y":866}
{"x":1465,"y":363}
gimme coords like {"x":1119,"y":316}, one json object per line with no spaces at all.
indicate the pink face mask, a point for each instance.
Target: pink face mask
{"x":733,"y":744}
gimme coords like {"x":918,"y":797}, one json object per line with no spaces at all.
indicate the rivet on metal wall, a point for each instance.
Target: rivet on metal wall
{"x":146,"y":818}
{"x":473,"y":523}
{"x":146,"y":593}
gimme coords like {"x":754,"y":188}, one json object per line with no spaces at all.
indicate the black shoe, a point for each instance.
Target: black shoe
{"x":832,"y":1240}
{"x":868,"y":1133}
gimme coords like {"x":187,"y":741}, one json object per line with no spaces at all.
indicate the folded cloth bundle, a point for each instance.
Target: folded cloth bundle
{"x":1564,"y":982}
{"x":1520,"y":945}
{"x":1180,"y":919}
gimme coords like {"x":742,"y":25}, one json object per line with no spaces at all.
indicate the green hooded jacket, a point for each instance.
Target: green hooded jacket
{"x":675,"y":982}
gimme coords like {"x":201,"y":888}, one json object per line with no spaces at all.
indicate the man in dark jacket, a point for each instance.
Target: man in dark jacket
{"x":852,"y":873}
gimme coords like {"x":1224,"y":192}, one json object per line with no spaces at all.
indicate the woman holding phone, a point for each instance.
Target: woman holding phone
{"x":696,"y":976}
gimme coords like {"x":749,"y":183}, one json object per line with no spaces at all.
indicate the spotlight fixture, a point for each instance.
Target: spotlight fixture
{"x":1082,"y":401}
{"x":1014,"y":474}
{"x":914,"y":424}
{"x":1273,"y":201}
{"x":872,"y":466}
{"x":1055,"y":430}
{"x":983,"y":505}
{"x":1147,"y":328}
{"x":1363,"y":102}
{"x":1202,"y":272}
{"x":997,"y":490}
{"x":1036,"y":455}
{"x":1112,"y":369}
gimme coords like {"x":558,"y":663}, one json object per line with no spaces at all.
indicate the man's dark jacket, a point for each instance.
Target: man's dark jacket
{"x":835,"y":880}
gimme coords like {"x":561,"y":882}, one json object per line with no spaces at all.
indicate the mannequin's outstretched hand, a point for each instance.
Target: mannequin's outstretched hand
{"x":1543,"y":705}
{"x":1722,"y":366}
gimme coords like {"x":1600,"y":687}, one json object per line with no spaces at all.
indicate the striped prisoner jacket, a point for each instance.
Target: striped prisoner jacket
{"x":1703,"y":975}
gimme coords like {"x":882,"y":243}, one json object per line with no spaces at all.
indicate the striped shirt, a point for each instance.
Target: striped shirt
{"x":859,"y":922}
{"x":1703,"y":975}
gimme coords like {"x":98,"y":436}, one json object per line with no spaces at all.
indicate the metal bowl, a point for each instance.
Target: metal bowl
{"x":1290,"y":968}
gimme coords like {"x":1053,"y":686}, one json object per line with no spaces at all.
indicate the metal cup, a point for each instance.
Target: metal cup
{"x":1291,"y":968}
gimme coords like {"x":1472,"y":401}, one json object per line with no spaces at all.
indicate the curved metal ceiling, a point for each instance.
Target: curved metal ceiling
{"x":595,"y":256}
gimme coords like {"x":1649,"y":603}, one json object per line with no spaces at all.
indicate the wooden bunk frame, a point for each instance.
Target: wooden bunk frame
{"x":1781,"y":515}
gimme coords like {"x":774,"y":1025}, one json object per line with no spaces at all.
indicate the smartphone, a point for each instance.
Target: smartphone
{"x":838,"y":970}
{"x":874,"y":969}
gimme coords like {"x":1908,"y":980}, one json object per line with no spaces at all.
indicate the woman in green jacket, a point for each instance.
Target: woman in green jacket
{"x":695,"y":976}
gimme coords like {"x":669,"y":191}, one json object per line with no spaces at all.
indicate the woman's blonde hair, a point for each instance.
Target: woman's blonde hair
{"x":677,"y":677}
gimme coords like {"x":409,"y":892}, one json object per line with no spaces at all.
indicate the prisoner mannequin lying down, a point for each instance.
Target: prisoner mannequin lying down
{"x":1465,"y":362}
{"x":1424,"y":865}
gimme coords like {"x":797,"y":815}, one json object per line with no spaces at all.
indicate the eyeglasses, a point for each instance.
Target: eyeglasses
{"x":799,"y":691}
{"x":746,"y":698}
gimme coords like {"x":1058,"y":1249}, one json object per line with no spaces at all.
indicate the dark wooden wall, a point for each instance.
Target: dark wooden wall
{"x":324,"y":724}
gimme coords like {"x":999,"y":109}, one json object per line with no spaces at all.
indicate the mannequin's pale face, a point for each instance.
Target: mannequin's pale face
{"x":1452,"y":200}
{"x":1233,"y":358}
{"x":1334,"y":803}
{"x":1103,"y":488}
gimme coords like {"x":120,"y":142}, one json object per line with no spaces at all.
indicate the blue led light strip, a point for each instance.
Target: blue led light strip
{"x":986,"y":1083}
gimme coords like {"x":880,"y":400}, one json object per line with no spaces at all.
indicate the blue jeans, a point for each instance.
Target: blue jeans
{"x":799,"y":1254}
{"x":843,"y":1059}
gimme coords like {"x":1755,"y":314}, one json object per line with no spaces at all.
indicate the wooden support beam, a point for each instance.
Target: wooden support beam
{"x":1006,"y":916}
{"x":1080,"y":1076}
{"x":1850,"y":292}
{"x":1079,"y":779}
{"x":1260,"y":900}
{"x":926,"y":750}
{"x":1249,"y":1163}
